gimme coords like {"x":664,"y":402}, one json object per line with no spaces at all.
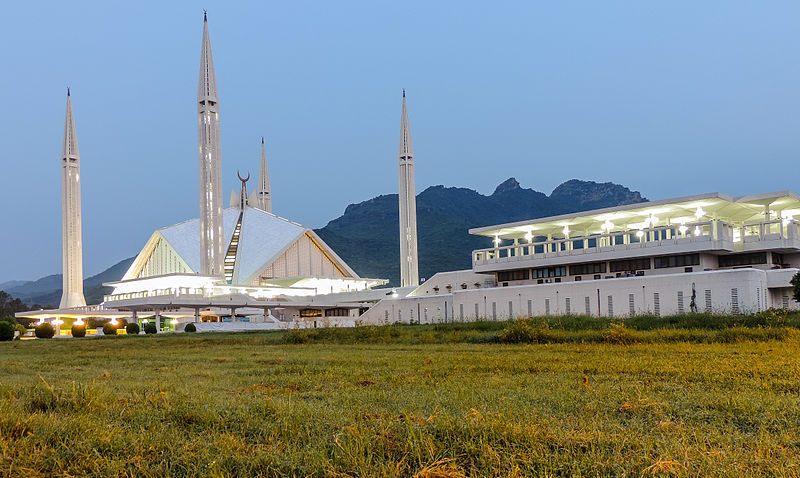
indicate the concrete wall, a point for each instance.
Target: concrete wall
{"x":729,"y":291}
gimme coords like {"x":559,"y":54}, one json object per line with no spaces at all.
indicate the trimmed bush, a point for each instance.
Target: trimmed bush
{"x":44,"y":331}
{"x":21,"y":329}
{"x":190,"y":327}
{"x":109,"y":329}
{"x":6,"y":331}
{"x":132,"y":329}
{"x":150,"y":328}
{"x":78,"y":331}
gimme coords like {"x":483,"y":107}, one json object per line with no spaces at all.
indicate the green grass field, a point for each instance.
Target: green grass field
{"x":427,"y":401}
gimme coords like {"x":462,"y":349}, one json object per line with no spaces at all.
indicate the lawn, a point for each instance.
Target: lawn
{"x":418,"y":403}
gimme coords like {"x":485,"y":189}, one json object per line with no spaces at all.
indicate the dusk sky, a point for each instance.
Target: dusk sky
{"x":668,"y":98}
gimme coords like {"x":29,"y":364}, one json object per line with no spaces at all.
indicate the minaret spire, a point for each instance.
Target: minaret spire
{"x":409,"y":271}
{"x":263,"y":195}
{"x":71,"y":241}
{"x":211,"y":240}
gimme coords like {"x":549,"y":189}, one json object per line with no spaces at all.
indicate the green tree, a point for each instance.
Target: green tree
{"x":796,"y":287}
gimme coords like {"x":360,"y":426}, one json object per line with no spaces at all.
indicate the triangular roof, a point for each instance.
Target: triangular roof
{"x":263,"y":237}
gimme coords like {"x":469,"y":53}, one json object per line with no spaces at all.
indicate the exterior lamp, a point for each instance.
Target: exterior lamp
{"x":651,"y":221}
{"x":146,"y":321}
{"x":57,"y":322}
{"x":113,"y":321}
{"x":683,"y":229}
{"x":697,"y":231}
{"x":529,"y":236}
{"x":496,"y":241}
{"x":174,"y":321}
{"x":395,"y":294}
{"x":699,"y":213}
{"x":607,"y":226}
{"x":41,"y":321}
{"x":640,"y":233}
{"x":565,"y":231}
{"x":787,"y":219}
{"x":78,"y":322}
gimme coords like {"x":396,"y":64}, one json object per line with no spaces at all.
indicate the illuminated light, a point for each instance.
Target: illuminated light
{"x":174,"y":321}
{"x":496,"y":241}
{"x":683,"y":229}
{"x":699,"y":213}
{"x":565,"y":230}
{"x":640,"y":233}
{"x":529,"y":236}
{"x":651,"y":220}
{"x":787,"y":219}
{"x":146,"y":321}
{"x":737,"y":236}
{"x":395,"y":294}
{"x":113,"y":321}
{"x":78,"y":322}
{"x":607,"y":226}
{"x":697,"y":231}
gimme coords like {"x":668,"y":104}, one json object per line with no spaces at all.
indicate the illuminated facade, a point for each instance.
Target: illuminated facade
{"x":704,"y":253}
{"x":71,"y":236}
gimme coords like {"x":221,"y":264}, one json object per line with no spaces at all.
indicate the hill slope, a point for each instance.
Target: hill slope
{"x":366,"y":235}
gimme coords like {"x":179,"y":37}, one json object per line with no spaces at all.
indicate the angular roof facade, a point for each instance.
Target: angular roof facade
{"x":263,"y":241}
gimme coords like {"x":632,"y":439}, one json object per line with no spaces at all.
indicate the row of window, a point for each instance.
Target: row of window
{"x":682,"y":260}
{"x":743,"y":259}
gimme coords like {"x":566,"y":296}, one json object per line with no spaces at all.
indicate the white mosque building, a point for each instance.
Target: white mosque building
{"x":243,"y":267}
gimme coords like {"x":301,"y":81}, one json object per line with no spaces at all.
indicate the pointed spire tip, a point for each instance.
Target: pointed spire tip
{"x":262,"y":140}
{"x":68,"y":91}
{"x":404,"y":92}
{"x":205,"y":16}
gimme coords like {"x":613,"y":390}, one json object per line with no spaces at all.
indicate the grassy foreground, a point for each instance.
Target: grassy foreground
{"x":405,"y":401}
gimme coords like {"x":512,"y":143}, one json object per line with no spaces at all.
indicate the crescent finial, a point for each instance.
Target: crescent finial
{"x":244,"y":180}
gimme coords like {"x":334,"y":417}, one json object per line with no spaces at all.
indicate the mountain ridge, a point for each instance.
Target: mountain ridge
{"x":366,"y":234}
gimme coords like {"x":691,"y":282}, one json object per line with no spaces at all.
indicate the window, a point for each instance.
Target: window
{"x":590,"y":268}
{"x":743,"y":259}
{"x":777,"y":259}
{"x":506,"y":276}
{"x":547,"y":272}
{"x":682,"y":260}
{"x":630,"y":265}
{"x":310,"y":313}
{"x":340,"y":312}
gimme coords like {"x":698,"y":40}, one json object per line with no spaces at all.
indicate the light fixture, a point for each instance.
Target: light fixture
{"x":697,"y":231}
{"x":113,"y":321}
{"x":640,"y":233}
{"x":496,"y":241}
{"x":395,"y":294}
{"x":699,"y":213}
{"x":787,"y":218}
{"x":146,"y":321}
{"x":174,"y":321}
{"x":607,"y":226}
{"x":565,"y":231}
{"x":529,"y":236}
{"x":651,"y":220}
{"x":57,"y":321}
{"x":78,"y":322}
{"x":683,"y":229}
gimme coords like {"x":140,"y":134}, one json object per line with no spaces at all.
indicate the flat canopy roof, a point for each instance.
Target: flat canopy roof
{"x":735,"y":210}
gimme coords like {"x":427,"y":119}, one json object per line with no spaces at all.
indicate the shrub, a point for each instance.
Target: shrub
{"x":6,"y":331}
{"x":79,"y":331}
{"x":150,"y":328}
{"x":190,"y":327}
{"x":109,"y":329}
{"x":21,"y":329}
{"x":523,"y":332}
{"x":44,"y":331}
{"x":132,"y":329}
{"x":796,"y":287}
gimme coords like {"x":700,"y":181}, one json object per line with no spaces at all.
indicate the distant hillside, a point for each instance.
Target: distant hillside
{"x":47,"y":290}
{"x":366,"y":235}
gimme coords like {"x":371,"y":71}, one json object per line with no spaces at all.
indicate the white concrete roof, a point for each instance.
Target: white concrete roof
{"x":716,"y":205}
{"x":184,"y":237}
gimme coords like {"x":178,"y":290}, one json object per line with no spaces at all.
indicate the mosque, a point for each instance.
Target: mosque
{"x":244,"y":268}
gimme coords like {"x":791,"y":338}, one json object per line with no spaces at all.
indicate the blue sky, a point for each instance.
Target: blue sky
{"x":668,"y":98}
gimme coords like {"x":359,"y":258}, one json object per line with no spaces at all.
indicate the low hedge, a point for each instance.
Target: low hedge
{"x":132,"y":329}
{"x":190,"y":327}
{"x":44,"y":331}
{"x":150,"y":328}
{"x":7,"y":330}
{"x":78,"y":331}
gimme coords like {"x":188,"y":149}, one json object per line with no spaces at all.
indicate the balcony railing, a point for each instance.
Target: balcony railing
{"x":709,"y":235}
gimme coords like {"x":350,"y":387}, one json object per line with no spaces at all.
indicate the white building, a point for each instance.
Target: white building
{"x":706,"y":253}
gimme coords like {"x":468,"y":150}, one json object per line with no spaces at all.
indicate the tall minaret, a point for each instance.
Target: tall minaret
{"x":211,"y":240}
{"x":263,"y":196}
{"x":409,"y":272}
{"x":71,"y":241}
